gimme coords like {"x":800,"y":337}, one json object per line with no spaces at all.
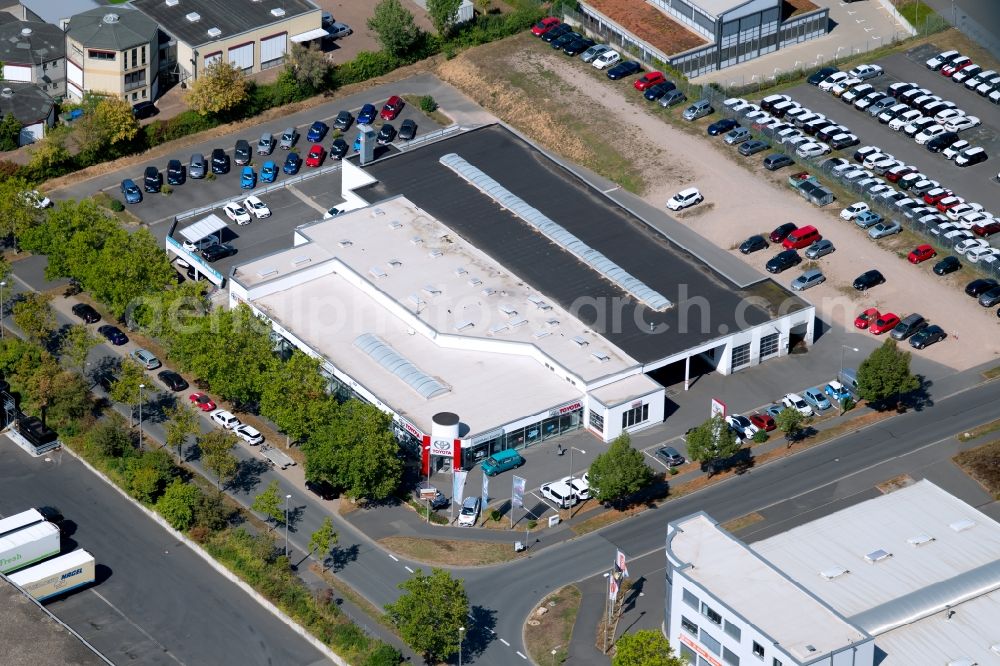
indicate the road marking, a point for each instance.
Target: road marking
{"x":521,"y":655}
{"x":137,"y":627}
{"x":505,"y":642}
{"x":393,"y":557}
{"x":408,"y":568}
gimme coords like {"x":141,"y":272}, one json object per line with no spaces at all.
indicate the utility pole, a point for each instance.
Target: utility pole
{"x":287,"y":497}
{"x":141,"y":386}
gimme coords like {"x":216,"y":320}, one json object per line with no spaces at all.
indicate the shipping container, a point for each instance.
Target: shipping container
{"x":20,"y":521}
{"x":28,"y":545}
{"x":56,"y":576}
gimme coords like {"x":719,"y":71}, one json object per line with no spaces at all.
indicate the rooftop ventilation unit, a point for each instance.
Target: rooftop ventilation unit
{"x":278,"y":12}
{"x":193,"y":17}
{"x":267,"y":272}
{"x":459,"y":272}
{"x":25,"y":32}
{"x":416,"y":300}
{"x":518,"y":323}
{"x":836,"y":572}
{"x":377,"y":272}
{"x":507,"y":310}
{"x":300,"y":260}
{"x":878,"y":555}
{"x":377,"y":211}
{"x":434,"y":254}
{"x":601,"y":356}
{"x":7,"y":92}
{"x":395,"y":224}
{"x":539,"y":303}
{"x":919,"y":540}
{"x":431,"y":290}
{"x":579,"y":341}
{"x":110,"y":18}
{"x":474,"y":282}
{"x":552,"y":322}
{"x":173,"y":3}
{"x":538,"y":335}
{"x":499,"y":328}
{"x":343,"y":242}
{"x":416,"y":240}
{"x":962,"y":525}
{"x":395,"y":263}
{"x":464,"y":325}
{"x":214,"y":32}
{"x":488,"y":291}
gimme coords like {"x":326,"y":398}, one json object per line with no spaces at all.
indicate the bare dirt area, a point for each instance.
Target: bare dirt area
{"x":519,"y":82}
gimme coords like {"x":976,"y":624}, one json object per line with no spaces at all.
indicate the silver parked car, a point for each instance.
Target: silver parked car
{"x":265,"y":144}
{"x":197,"y":166}
{"x":593,"y":52}
{"x":820,"y":248}
{"x":699,"y":109}
{"x":808,"y":279}
{"x":736,"y":136}
{"x":883,"y":229}
{"x":288,"y":138}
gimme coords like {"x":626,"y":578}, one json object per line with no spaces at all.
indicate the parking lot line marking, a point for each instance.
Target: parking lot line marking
{"x":393,"y":557}
{"x":408,"y":568}
{"x":505,"y":642}
{"x":521,"y":655}
{"x":137,"y":627}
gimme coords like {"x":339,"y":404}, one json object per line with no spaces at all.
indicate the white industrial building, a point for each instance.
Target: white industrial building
{"x":911,"y":578}
{"x":451,"y":287}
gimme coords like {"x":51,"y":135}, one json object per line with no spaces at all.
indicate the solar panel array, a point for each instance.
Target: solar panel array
{"x":391,"y":360}
{"x":556,"y":233}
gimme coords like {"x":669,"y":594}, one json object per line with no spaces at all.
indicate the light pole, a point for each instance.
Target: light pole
{"x":571,"y":468}
{"x":428,"y":449}
{"x":2,"y":285}
{"x":287,"y":497}
{"x":461,"y":635}
{"x":843,"y":349}
{"x":141,"y":386}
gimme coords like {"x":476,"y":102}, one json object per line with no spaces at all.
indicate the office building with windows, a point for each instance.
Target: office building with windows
{"x":33,"y":52}
{"x":112,"y":51}
{"x":475,"y":275}
{"x":910,"y":577}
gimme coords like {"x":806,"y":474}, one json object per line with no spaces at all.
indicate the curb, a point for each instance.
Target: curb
{"x":229,"y":575}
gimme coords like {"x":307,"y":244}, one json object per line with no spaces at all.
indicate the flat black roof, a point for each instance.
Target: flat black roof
{"x":707,"y":306}
{"x":229,"y":16}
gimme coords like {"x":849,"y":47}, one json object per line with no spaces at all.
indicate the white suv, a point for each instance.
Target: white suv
{"x":606,"y":59}
{"x":685,"y":198}
{"x":579,"y":486}
{"x":470,"y":512}
{"x":560,"y":493}
{"x":225,"y":419}
{"x":795,"y":401}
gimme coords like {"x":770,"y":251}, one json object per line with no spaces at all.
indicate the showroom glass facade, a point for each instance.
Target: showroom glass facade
{"x":489,"y":443}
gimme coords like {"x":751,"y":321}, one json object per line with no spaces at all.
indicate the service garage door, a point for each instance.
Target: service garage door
{"x":272,"y":50}
{"x":242,"y":57}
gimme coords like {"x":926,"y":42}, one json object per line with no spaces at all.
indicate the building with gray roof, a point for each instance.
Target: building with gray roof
{"x":34,"y":52}
{"x":54,"y":12}
{"x":32,"y":107}
{"x":113,"y":51}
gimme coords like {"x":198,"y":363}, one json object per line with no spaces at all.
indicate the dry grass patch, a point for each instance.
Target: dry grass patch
{"x":984,"y":429}
{"x":992,"y":373}
{"x":983,"y":465}
{"x":452,"y":552}
{"x":553,"y":628}
{"x":743,"y":522}
{"x":895,"y":483}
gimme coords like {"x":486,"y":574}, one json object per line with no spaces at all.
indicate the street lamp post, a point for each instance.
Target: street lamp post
{"x":2,"y":285}
{"x":428,"y":449}
{"x":287,"y":497}
{"x":141,"y":386}
{"x":461,"y":635}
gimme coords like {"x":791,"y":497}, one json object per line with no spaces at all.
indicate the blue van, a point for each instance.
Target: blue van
{"x":501,"y":462}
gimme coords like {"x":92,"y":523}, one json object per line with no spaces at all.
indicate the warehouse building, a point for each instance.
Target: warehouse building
{"x":485,"y":280}
{"x":910,"y":577}
{"x":254,"y":35}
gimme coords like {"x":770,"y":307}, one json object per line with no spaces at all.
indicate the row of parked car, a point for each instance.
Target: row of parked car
{"x":919,"y":113}
{"x":960,"y":69}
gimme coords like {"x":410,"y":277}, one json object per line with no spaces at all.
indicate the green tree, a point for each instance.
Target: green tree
{"x":429,"y":613}
{"x":211,"y":512}
{"x":217,"y":454}
{"x":125,"y":388}
{"x":108,"y":123}
{"x":182,"y":423}
{"x":76,"y":346}
{"x":222,"y":87}
{"x":356,"y":451}
{"x":711,"y":442}
{"x":310,"y":67}
{"x":16,"y":212}
{"x":33,"y":315}
{"x":148,"y":474}
{"x":177,"y":504}
{"x":323,"y":539}
{"x":885,"y":375}
{"x":144,"y":484}
{"x":790,"y":421}
{"x":10,"y":133}
{"x":394,"y":27}
{"x":270,"y":503}
{"x":298,"y":376}
{"x":70,"y":397}
{"x":110,"y":436}
{"x":619,"y":472}
{"x":443,"y":14}
{"x":50,"y":155}
{"x":647,"y":647}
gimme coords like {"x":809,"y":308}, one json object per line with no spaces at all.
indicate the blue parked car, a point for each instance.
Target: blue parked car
{"x":292,"y":163}
{"x":357,"y":143}
{"x":773,"y":410}
{"x":367,"y":114}
{"x":867,"y":219}
{"x":248,"y":179}
{"x":131,"y":191}
{"x":268,"y":172}
{"x":836,"y":391}
{"x":816,"y":398}
{"x":317,"y":131}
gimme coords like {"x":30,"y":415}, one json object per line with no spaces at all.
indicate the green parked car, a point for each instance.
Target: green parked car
{"x":501,"y":462}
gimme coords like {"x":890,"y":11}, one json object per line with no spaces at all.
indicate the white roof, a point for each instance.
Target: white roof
{"x":203,"y":228}
{"x":747,"y":584}
{"x":907,"y":554}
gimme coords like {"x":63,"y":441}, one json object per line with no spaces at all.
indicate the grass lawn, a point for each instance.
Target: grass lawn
{"x":983,"y":465}
{"x":984,"y":429}
{"x":452,"y":552}
{"x":553,"y":629}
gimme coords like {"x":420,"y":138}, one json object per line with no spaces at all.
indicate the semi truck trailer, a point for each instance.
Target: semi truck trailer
{"x":56,"y":576}
{"x":27,"y":546}
{"x":19,"y":521}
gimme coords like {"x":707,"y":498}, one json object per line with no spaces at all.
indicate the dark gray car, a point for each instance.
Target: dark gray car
{"x":671,"y":456}
{"x":241,"y":155}
{"x":672,"y":98}
{"x":908,"y":326}
{"x":197,"y":166}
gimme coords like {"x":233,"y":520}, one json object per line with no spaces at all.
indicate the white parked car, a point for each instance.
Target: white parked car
{"x":962,"y":123}
{"x":257,"y":207}
{"x":844,"y":85}
{"x":830,"y":81}
{"x":944,"y":116}
{"x":225,"y":419}
{"x":812,"y":149}
{"x":929,"y":133}
{"x":865,"y":72}
{"x":685,"y":198}
{"x":942,"y":59}
{"x":580,"y":486}
{"x":970,"y":220}
{"x":954,"y":149}
{"x":249,"y":434}
{"x":734,"y":102}
{"x":964,"y":246}
{"x":904,"y":119}
{"x":742,"y":425}
{"x":970,"y":156}
{"x":975,"y":255}
{"x":795,"y":401}
{"x":606,"y":59}
{"x":470,"y":512}
{"x":36,"y":199}
{"x":854,"y":210}
{"x":962,"y":209}
{"x":560,"y":493}
{"x":236,"y":213}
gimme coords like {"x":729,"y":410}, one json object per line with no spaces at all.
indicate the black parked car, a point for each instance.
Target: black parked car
{"x":565,"y":40}
{"x":721,"y":126}
{"x":86,"y":313}
{"x":578,"y":46}
{"x":942,"y":141}
{"x":241,"y":154}
{"x":343,"y":121}
{"x":776,"y":161}
{"x":152,"y":179}
{"x":927,"y":336}
{"x":339,"y":149}
{"x":947,"y":265}
{"x":990,"y":297}
{"x":817,"y":77}
{"x":323,"y":489}
{"x":753,"y":147}
{"x":217,"y":251}
{"x":781,"y":233}
{"x":386,"y":134}
{"x":173,"y":381}
{"x":624,"y":69}
{"x":113,"y":334}
{"x":175,"y":172}
{"x":654,"y":93}
{"x":220,"y":161}
{"x":868,"y":279}
{"x":783,"y":261}
{"x":556,"y":32}
{"x":979,"y":286}
{"x":753,"y":244}
{"x":407,"y":130}
{"x":144,"y":110}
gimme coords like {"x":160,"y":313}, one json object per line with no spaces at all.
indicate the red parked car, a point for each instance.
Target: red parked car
{"x":762,"y":421}
{"x":202,"y":402}
{"x":985,"y":230}
{"x":893,"y":175}
{"x":544,"y":25}
{"x":885,"y":323}
{"x":315,"y":156}
{"x":392,"y":108}
{"x":864,"y":319}
{"x":649,"y":80}
{"x":957,"y":66}
{"x":921,"y":253}
{"x":935,"y":195}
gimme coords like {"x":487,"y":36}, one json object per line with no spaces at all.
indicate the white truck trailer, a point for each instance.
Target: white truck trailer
{"x":56,"y":576}
{"x":27,"y":546}
{"x":19,"y":521}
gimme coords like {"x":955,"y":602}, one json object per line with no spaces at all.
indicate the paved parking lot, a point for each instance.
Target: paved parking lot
{"x":975,"y":183}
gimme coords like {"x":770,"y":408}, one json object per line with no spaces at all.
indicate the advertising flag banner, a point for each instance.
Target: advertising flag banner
{"x":517,"y":494}
{"x":612,"y":588}
{"x":621,"y":569}
{"x":458,"y":485}
{"x":486,"y":491}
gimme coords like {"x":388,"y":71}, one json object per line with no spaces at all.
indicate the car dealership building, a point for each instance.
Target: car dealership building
{"x":481,"y":278}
